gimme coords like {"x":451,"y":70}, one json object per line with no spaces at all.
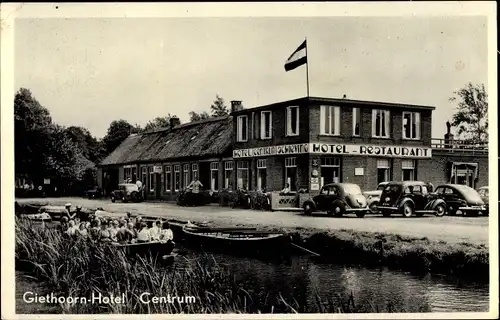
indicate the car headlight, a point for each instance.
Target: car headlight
{"x":387,"y":199}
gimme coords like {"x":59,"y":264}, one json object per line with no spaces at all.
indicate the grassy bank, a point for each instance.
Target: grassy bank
{"x":396,"y":252}
{"x":74,"y":268}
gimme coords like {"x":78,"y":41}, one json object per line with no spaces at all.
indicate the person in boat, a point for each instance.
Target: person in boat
{"x":63,"y":227}
{"x":155,"y":231}
{"x":83,"y":215}
{"x":82,"y":231}
{"x":138,"y":223}
{"x":71,"y":228}
{"x":104,"y":234}
{"x":126,"y":233}
{"x":166,"y":232}
{"x":143,"y":235}
{"x":95,"y":230}
{"x":67,"y":212}
{"x":113,"y":230}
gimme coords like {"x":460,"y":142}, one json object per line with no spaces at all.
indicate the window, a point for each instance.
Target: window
{"x":383,"y":170}
{"x":242,"y":128}
{"x":168,"y":178}
{"x":255,"y":125}
{"x":242,"y":175}
{"x":330,"y":120}
{"x":291,"y":172}
{"x":134,"y":174}
{"x":127,"y":173}
{"x":152,"y":179}
{"x":330,"y":170}
{"x":185,"y":170}
{"x":261,"y":174}
{"x":356,"y":119}
{"x":194,"y":169}
{"x":380,"y":123}
{"x":214,"y":176}
{"x":265,"y":124}
{"x":177,"y":177}
{"x":411,"y":125}
{"x":228,"y":175}
{"x":408,"y":170}
{"x":292,"y":121}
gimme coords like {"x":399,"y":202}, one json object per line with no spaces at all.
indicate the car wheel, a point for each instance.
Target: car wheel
{"x":386,"y":213}
{"x":440,"y":210}
{"x":373,"y":207}
{"x":307,"y":209}
{"x":360,"y":214}
{"x":337,"y":210}
{"x":407,"y":210}
{"x":113,"y":199}
{"x":485,"y":213}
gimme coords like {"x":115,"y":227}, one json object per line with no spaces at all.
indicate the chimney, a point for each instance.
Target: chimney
{"x":236,"y":105}
{"x":344,"y":97}
{"x":174,"y":121}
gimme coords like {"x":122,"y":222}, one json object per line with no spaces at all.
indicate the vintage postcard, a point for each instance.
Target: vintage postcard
{"x":249,"y":160}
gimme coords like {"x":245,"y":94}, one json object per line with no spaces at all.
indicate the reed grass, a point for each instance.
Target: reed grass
{"x":75,"y":267}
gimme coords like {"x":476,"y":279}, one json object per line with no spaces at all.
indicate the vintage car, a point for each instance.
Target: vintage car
{"x":127,"y":192}
{"x":461,"y":199}
{"x":484,"y":192}
{"x":409,"y":198}
{"x":373,"y":196}
{"x":338,"y":199}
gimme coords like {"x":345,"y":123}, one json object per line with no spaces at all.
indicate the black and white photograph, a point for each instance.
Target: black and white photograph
{"x":222,"y":160}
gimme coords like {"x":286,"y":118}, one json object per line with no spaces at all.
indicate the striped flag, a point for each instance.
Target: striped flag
{"x":297,"y":58}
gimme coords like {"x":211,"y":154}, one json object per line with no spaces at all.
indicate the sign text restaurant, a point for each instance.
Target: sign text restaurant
{"x":340,"y":149}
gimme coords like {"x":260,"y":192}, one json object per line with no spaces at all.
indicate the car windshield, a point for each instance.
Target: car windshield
{"x":381,"y":187}
{"x":352,"y":189}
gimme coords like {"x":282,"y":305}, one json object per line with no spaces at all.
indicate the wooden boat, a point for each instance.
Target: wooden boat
{"x":245,"y":241}
{"x":153,"y":248}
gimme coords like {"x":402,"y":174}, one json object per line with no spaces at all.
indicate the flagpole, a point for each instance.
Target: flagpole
{"x":307,"y":70}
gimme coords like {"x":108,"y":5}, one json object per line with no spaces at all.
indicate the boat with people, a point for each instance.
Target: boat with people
{"x":234,"y":240}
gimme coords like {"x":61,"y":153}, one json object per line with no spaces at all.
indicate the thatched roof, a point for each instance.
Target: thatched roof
{"x":206,"y":138}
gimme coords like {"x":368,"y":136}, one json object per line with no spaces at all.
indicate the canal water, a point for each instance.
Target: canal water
{"x":373,"y":290}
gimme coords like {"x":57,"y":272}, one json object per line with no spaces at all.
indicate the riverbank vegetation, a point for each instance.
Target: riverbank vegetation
{"x":76,"y":267}
{"x":419,"y":255}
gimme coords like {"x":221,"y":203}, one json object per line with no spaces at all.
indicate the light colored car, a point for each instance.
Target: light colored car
{"x":373,"y":197}
{"x":484,"y":192}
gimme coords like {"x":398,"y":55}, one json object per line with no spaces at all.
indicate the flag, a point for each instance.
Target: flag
{"x":298,"y":57}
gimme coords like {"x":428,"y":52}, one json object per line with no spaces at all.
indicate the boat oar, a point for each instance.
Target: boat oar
{"x":306,"y":250}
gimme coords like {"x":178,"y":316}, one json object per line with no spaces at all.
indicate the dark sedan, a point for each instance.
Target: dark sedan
{"x":338,"y":199}
{"x":461,"y":199}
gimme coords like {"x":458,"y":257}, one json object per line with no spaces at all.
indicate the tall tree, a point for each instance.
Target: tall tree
{"x":32,"y":134}
{"x":471,"y":116}
{"x":194,"y":116}
{"x":89,"y":146}
{"x":118,"y":131}
{"x":158,"y":122}
{"x":219,"y":107}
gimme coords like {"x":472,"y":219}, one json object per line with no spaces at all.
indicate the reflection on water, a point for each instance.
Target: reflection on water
{"x":379,"y":290}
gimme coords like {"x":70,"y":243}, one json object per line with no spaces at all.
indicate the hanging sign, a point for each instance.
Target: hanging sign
{"x":157,"y":169}
{"x":46,"y":181}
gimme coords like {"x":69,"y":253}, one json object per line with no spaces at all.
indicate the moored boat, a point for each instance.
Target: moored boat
{"x":245,"y":241}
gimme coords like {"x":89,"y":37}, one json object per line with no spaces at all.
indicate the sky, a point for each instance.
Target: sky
{"x":88,"y":72}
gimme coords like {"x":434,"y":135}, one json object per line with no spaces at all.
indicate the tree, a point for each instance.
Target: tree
{"x":194,"y":116}
{"x":158,"y":123}
{"x":471,"y":117}
{"x":219,"y":108}
{"x":89,"y":145}
{"x":118,"y":131}
{"x":32,"y":134}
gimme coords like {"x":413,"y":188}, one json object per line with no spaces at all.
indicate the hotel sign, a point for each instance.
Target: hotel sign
{"x":337,"y":149}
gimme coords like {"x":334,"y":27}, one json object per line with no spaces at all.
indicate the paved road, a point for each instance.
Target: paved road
{"x":450,"y":229}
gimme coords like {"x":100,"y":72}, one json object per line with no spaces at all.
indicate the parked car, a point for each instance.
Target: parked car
{"x":127,"y":192}
{"x":373,"y":196}
{"x":409,"y":198}
{"x":484,"y":192}
{"x":461,"y":199}
{"x":338,"y":199}
{"x":94,"y":193}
